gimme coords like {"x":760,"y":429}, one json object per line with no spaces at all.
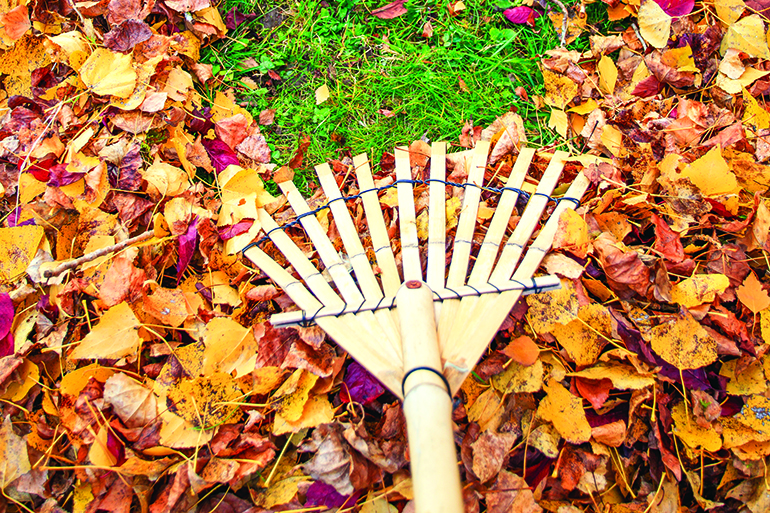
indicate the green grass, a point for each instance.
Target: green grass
{"x":371,"y":64}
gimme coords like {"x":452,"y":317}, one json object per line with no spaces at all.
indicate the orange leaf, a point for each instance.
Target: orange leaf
{"x":752,"y":295}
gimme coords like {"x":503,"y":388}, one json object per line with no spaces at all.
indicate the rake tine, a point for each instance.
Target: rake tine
{"x":469,"y":343}
{"x":463,"y":242}
{"x":355,"y":250}
{"x":410,"y":248}
{"x":357,"y":254}
{"x":329,"y":256}
{"x":377,"y":230}
{"x":437,"y":217}
{"x":312,"y":277}
{"x":529,"y":219}
{"x":499,"y":224}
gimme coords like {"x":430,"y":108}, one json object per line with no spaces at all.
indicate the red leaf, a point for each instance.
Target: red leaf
{"x":390,"y":11}
{"x":667,"y":241}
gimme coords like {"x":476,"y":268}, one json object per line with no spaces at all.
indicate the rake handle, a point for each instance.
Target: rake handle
{"x":427,"y":406}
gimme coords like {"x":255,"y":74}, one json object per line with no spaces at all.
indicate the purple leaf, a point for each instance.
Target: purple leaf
{"x":13,"y":218}
{"x":187,"y":244}
{"x":200,"y":121}
{"x":61,"y":177}
{"x":235,"y":17}
{"x":220,"y":153}
{"x":361,"y":386}
{"x":233,"y":230}
{"x":322,"y":494}
{"x":522,"y":15}
{"x":676,"y":7}
{"x":6,"y":321}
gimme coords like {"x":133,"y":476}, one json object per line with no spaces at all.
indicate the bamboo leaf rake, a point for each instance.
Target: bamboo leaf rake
{"x":419,"y":333}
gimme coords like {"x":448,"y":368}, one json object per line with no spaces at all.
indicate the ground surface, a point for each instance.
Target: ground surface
{"x":138,"y":367}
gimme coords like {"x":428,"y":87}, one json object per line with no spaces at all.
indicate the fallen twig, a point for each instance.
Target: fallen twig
{"x":72,"y":264}
{"x":563,"y":37}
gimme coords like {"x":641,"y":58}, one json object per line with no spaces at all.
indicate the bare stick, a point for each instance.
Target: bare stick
{"x":72,"y":264}
{"x":563,"y":39}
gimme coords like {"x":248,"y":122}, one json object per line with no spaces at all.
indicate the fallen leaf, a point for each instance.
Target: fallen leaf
{"x":654,"y":24}
{"x":205,"y":402}
{"x":14,"y":461}
{"x":18,"y":246}
{"x":109,"y":73}
{"x":747,"y":35}
{"x":565,"y":412}
{"x":522,"y":350}
{"x":390,"y":11}
{"x":681,"y":341}
{"x":114,"y":337}
{"x":321,"y":94}
{"x":699,"y":289}
{"x":134,"y":403}
{"x":752,"y":295}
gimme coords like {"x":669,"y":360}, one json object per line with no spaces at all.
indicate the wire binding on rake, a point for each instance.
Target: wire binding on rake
{"x":495,"y":190}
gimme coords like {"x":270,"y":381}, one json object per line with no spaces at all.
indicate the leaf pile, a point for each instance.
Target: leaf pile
{"x":138,"y":369}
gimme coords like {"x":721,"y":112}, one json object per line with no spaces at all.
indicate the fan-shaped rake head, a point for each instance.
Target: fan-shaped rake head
{"x":420,"y":333}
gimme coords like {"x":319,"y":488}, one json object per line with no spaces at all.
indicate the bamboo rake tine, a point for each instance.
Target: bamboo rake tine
{"x":468,"y":344}
{"x":363,"y":330}
{"x":355,"y":250}
{"x":437,"y":217}
{"x":293,"y":287}
{"x":358,"y":257}
{"x":312,"y":277}
{"x":380,"y":363}
{"x":467,"y":222}
{"x":514,"y":247}
{"x":544,"y":240}
{"x":491,"y":246}
{"x":377,"y":229}
{"x":324,"y":247}
{"x":458,"y":267}
{"x":410,"y":248}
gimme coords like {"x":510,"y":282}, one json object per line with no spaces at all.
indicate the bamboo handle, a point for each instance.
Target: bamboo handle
{"x":427,"y":406}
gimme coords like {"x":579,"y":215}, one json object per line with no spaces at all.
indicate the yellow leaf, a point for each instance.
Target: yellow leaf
{"x":587,"y":107}
{"x":27,"y":55}
{"x":572,"y":233}
{"x":682,"y":342}
{"x":623,"y":377}
{"x":29,"y":376}
{"x":165,"y":180}
{"x":735,"y":86}
{"x":18,"y":246}
{"x":560,"y":90}
{"x":608,"y":75}
{"x":764,"y":325}
{"x":612,"y":139}
{"x":239,"y":183}
{"x":177,"y":433}
{"x":548,"y":309}
{"x":14,"y":461}
{"x":229,"y":347}
{"x":565,"y":412}
{"x":754,"y":114}
{"x":654,"y":24}
{"x":114,"y":337}
{"x":318,"y":410}
{"x":281,"y":492}
{"x":207,"y":401}
{"x":756,"y":415}
{"x":585,"y":337}
{"x":750,"y":380}
{"x":545,"y":439}
{"x":558,"y":121}
{"x":290,"y":399}
{"x":748,"y":36}
{"x":699,"y":289}
{"x":728,"y":11}
{"x":109,"y":73}
{"x":266,"y":379}
{"x":73,"y":382}
{"x":711,"y":174}
{"x":693,"y":434}
{"x":680,"y":59}
{"x":517,"y":378}
{"x":321,"y":94}
{"x":378,"y":504}
{"x":99,"y":453}
{"x":752,"y":295}
{"x":486,"y":409}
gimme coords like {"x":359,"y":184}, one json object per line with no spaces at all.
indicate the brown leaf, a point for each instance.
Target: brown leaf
{"x":127,"y":35}
{"x":266,"y":117}
{"x":667,"y":241}
{"x":625,"y":270}
{"x":131,"y":401}
{"x":331,"y":462}
{"x":299,"y":155}
{"x":489,"y":453}
{"x":511,"y":493}
{"x":14,"y":460}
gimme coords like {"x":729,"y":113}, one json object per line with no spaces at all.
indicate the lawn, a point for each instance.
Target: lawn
{"x":388,"y":83}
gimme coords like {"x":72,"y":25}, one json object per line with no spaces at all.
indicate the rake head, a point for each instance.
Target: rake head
{"x":358,"y":315}
{"x":400,"y":310}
